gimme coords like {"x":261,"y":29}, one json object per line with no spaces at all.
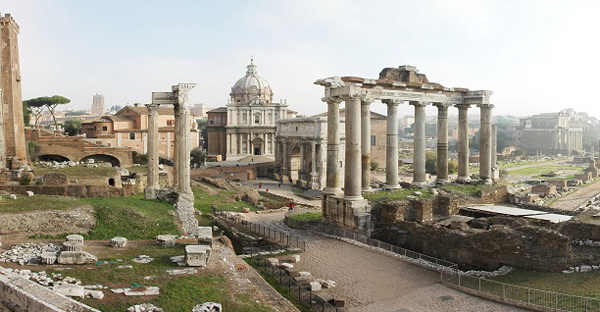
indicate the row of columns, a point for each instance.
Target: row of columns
{"x":235,"y":143}
{"x":181,"y":160}
{"x":357,"y":145}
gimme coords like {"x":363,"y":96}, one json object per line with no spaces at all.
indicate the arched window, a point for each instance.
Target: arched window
{"x":257,"y":118}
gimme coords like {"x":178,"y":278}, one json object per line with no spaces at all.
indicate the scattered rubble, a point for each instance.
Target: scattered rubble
{"x":142,"y":259}
{"x":25,"y":252}
{"x":208,"y":307}
{"x":181,"y":271}
{"x":144,"y":307}
{"x":118,"y":242}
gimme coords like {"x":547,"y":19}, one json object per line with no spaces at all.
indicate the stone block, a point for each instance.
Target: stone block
{"x":48,"y":257}
{"x":30,"y":193}
{"x":96,"y":294}
{"x":187,"y":240}
{"x":208,"y":307}
{"x":422,"y":210}
{"x":205,"y":235}
{"x":246,"y":210}
{"x":56,"y":178}
{"x":148,"y":291}
{"x":338,"y":303}
{"x":585,"y":268}
{"x":197,"y":255}
{"x":118,"y":242}
{"x":292,"y":258}
{"x":166,"y":239}
{"x":70,"y":290}
{"x":287,"y":266}
{"x":75,"y":238}
{"x":72,"y":246}
{"x":12,"y":196}
{"x":76,"y":257}
{"x":273,"y":261}
{"x":304,"y":274}
{"x":314,"y":286}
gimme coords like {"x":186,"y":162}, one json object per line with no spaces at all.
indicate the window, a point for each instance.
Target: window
{"x":95,"y":128}
{"x":257,"y":119}
{"x":104,"y":128}
{"x":169,"y":122}
{"x":132,"y":135}
{"x":373,"y":140}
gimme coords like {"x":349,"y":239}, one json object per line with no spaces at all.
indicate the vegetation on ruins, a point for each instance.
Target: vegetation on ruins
{"x":37,"y":105}
{"x":431,"y":164}
{"x":197,"y":157}
{"x":139,"y":158}
{"x":72,"y":127}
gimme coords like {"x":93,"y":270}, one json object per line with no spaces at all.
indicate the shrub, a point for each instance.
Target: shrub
{"x":25,"y":180}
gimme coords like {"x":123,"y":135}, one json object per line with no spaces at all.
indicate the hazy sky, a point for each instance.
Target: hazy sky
{"x":537,"y":56}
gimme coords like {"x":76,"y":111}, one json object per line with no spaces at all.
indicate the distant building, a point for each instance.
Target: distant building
{"x":250,"y":119}
{"x":98,"y":105}
{"x":551,"y":133}
{"x":199,"y":110}
{"x":129,"y":128}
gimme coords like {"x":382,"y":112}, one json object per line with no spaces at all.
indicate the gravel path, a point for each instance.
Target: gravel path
{"x":579,"y":197}
{"x":371,"y":281}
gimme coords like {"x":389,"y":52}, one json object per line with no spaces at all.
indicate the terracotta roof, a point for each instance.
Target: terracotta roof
{"x":142,"y":110}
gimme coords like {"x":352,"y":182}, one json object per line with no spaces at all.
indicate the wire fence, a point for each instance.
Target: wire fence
{"x":537,"y":299}
{"x":295,"y":288}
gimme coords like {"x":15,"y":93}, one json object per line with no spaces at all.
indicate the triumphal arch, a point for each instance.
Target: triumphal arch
{"x":394,"y":87}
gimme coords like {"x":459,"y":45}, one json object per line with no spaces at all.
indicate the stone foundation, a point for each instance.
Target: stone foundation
{"x":351,"y":214}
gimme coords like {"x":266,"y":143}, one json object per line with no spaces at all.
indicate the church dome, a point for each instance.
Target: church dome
{"x":251,"y":89}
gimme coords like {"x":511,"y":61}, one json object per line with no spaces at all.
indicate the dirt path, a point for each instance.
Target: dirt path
{"x":374,"y":282}
{"x":579,"y":197}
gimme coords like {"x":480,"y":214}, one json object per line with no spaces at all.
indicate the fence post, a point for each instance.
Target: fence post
{"x":503,"y":292}
{"x":458,"y":279}
{"x":555,"y":301}
{"x":528,"y":296}
{"x":479,"y":284}
{"x":310,"y":299}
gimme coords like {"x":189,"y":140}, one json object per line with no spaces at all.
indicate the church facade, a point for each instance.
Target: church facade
{"x":251,"y":117}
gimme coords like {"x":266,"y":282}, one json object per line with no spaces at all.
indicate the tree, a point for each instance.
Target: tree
{"x":431,"y":163}
{"x":197,"y":157}
{"x":48,"y":102}
{"x":73,"y":126}
{"x":115,"y":108}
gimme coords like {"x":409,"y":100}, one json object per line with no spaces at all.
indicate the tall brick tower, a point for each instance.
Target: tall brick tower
{"x":12,"y":106}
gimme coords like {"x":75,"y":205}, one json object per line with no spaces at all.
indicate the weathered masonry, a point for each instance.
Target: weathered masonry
{"x":394,"y":87}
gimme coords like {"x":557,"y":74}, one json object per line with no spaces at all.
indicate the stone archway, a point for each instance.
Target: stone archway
{"x":257,"y":147}
{"x":114,"y":161}
{"x":294,"y":163}
{"x":53,"y":157}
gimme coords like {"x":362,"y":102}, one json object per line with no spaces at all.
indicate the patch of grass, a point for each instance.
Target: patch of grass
{"x":132,"y":217}
{"x":309,"y":216}
{"x":177,"y":293}
{"x":469,"y":189}
{"x":79,"y":172}
{"x":204,"y":220}
{"x":223,"y":201}
{"x":538,"y":170}
{"x":399,"y":194}
{"x":37,"y":202}
{"x":580,"y":284}
{"x":140,"y":169}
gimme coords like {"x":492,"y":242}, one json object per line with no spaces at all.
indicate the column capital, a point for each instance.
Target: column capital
{"x":367,"y":99}
{"x":483,"y":105}
{"x":462,"y":106}
{"x":418,"y":103}
{"x":152,"y":108}
{"x":331,"y":100}
{"x":442,"y":106}
{"x":392,"y":102}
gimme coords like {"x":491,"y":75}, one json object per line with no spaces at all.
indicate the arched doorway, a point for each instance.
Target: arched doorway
{"x":257,"y":146}
{"x":114,"y":161}
{"x":52,"y":157}
{"x":294,"y":163}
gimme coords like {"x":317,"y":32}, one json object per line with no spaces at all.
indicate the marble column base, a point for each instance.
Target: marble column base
{"x":150,"y":193}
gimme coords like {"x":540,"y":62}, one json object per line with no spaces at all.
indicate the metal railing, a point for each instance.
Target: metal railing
{"x":297,"y":289}
{"x":532,"y":298}
{"x":294,"y":242}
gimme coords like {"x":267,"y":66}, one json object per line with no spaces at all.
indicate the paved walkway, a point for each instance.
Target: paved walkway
{"x":374,"y":282}
{"x":284,"y":189}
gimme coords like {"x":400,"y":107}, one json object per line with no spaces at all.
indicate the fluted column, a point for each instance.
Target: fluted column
{"x":485,"y":143}
{"x":284,"y":161}
{"x":183,"y":148}
{"x":313,"y":165}
{"x":176,"y":143}
{"x":391,"y":148}
{"x":302,"y":172}
{"x":152,"y":178}
{"x":419,"y":175}
{"x":333,"y":147}
{"x":352,"y":179}
{"x":494,"y":146}
{"x":463,"y":143}
{"x":442,"y":143}
{"x":365,"y":110}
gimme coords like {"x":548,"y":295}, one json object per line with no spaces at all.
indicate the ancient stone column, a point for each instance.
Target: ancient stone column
{"x":365,"y":110}
{"x":333,"y":148}
{"x":442,"y":143}
{"x":152,"y":182}
{"x":182,"y":158}
{"x":419,"y":175}
{"x":302,"y":172}
{"x":485,"y":143}
{"x":463,"y":143}
{"x":352,"y":173}
{"x":176,"y":142}
{"x":391,"y":148}
{"x":313,"y":165}
{"x":284,"y":161}
{"x":494,"y":146}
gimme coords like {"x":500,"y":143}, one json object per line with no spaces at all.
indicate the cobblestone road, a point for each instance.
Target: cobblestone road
{"x":373,"y":282}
